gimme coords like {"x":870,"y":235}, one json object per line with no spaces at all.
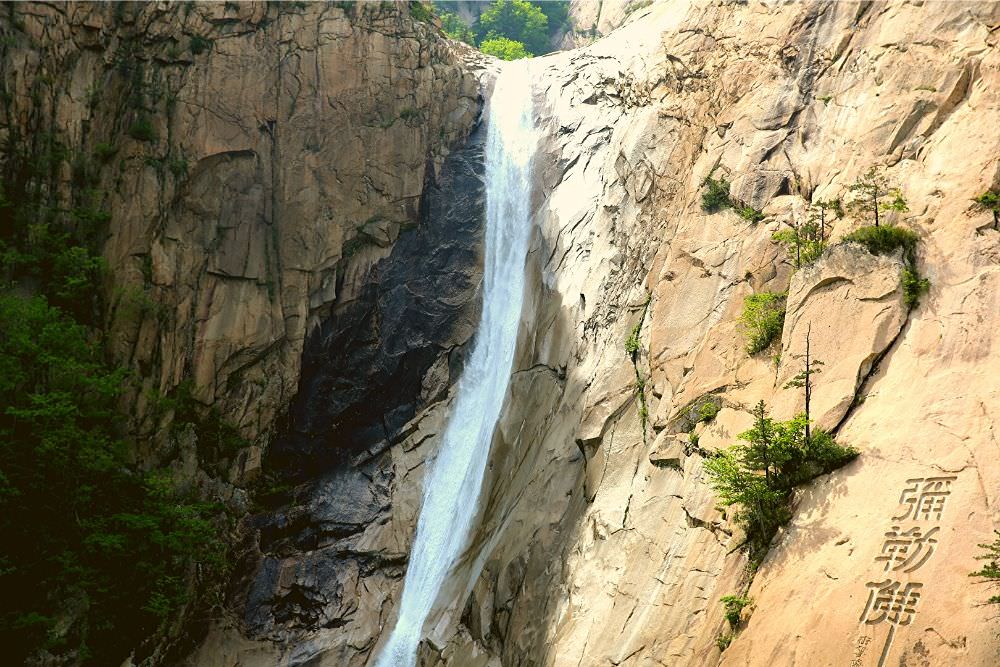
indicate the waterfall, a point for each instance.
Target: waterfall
{"x":453,"y":483}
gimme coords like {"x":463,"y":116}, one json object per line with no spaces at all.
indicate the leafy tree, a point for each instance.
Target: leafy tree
{"x":762,"y":319}
{"x":759,"y":474}
{"x":990,"y":201}
{"x":78,"y":521}
{"x":803,"y":243}
{"x":873,"y":195}
{"x":818,"y":214}
{"x":503,"y":48}
{"x":516,"y":20}
{"x":454,"y":27}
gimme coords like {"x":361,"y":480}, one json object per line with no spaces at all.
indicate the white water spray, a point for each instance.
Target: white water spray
{"x":452,"y":486}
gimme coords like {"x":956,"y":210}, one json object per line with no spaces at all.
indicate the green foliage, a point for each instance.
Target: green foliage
{"x":989,"y":201}
{"x":178,"y":167}
{"x":758,"y":476}
{"x":707,"y":411}
{"x":716,"y":195}
{"x":633,"y":344}
{"x":420,"y":11}
{"x":75,"y":272}
{"x":733,"y":605}
{"x":991,"y":569}
{"x":885,"y":240}
{"x":453,"y":25}
{"x":803,"y":243}
{"x":199,"y":44}
{"x":142,"y":129}
{"x":749,"y":213}
{"x":409,"y":114}
{"x":78,"y":521}
{"x":517,"y":21}
{"x":503,"y":48}
{"x":914,"y":286}
{"x":874,"y":196}
{"x":104,"y":152}
{"x":724,"y":640}
{"x":762,"y":319}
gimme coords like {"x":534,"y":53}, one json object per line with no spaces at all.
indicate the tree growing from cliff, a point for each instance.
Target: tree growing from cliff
{"x":758,"y":474}
{"x":803,"y":379}
{"x":803,"y":242}
{"x":873,"y":195}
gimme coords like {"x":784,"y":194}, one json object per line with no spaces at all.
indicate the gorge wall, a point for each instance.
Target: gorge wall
{"x":314,"y":279}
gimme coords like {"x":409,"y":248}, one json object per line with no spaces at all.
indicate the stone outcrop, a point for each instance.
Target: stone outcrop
{"x":601,"y":542}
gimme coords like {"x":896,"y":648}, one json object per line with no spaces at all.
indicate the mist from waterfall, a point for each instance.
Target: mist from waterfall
{"x":453,"y":483}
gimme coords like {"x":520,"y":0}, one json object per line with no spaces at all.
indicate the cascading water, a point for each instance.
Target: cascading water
{"x":452,"y":486}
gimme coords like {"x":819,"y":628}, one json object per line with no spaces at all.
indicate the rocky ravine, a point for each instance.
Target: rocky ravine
{"x":600,"y":540}
{"x":271,"y":170}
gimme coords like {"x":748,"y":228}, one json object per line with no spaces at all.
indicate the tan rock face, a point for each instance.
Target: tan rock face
{"x":290,"y":148}
{"x":595,"y":548}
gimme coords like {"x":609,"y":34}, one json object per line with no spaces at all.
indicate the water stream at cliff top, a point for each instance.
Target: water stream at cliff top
{"x":453,"y":484}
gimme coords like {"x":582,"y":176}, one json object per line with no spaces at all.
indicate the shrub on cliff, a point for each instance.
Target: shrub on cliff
{"x":762,"y":319}
{"x":885,"y":239}
{"x":716,"y":195}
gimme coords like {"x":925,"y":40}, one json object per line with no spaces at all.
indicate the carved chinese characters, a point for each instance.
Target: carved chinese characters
{"x":906,"y":547}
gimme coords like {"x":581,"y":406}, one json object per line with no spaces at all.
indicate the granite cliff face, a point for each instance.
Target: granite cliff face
{"x":271,"y":171}
{"x":283,"y":263}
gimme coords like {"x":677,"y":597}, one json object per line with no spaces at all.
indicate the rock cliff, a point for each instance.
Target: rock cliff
{"x":301,"y":246}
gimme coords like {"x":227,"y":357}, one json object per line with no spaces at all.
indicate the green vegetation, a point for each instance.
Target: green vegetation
{"x":914,"y":286}
{"x":874,"y":195}
{"x":749,"y":213}
{"x":762,"y":319}
{"x":142,"y":129}
{"x":455,"y":28}
{"x":100,"y":555}
{"x":78,"y":521}
{"x":420,"y":11}
{"x":632,"y":343}
{"x":884,"y":240}
{"x":733,"y":605}
{"x":507,"y":29}
{"x":515,"y":20}
{"x":104,"y":152}
{"x":887,"y":239}
{"x":724,"y":640}
{"x":991,"y":569}
{"x":707,"y":411}
{"x":504,"y":49}
{"x":802,"y":242}
{"x":199,"y":44}
{"x":989,"y":201}
{"x":716,"y":195}
{"x":758,"y":476}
